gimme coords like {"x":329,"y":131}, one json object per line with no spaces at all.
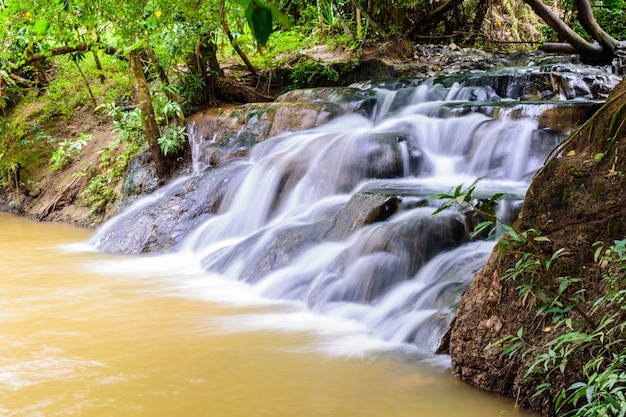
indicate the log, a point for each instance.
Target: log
{"x":558,"y":48}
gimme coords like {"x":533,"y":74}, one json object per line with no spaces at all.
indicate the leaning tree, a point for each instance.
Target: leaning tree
{"x":603,"y":49}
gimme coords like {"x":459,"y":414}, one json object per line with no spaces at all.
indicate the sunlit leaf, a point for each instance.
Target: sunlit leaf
{"x":136,"y":45}
{"x":63,"y":5}
{"x":41,"y":27}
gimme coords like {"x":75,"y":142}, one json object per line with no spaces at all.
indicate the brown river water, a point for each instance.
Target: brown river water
{"x":88,"y":334}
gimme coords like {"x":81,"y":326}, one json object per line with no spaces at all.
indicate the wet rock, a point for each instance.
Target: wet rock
{"x":387,"y":254}
{"x":350,"y":99}
{"x":140,"y":179}
{"x":564,"y":118}
{"x":218,"y":135}
{"x":162,"y":221}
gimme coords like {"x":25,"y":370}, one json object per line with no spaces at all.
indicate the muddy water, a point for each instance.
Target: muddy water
{"x":86,"y":334}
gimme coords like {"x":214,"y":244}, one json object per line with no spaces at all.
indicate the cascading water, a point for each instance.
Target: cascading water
{"x":339,"y":217}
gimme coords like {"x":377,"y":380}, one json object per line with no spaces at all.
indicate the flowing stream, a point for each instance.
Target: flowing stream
{"x":86,"y":334}
{"x":310,"y":278}
{"x":339,"y":217}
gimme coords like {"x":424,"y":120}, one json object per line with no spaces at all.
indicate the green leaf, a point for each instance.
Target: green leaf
{"x":136,"y":45}
{"x":480,"y":227}
{"x":63,"y":5}
{"x":243,"y":3}
{"x":510,"y":350}
{"x":279,"y":17}
{"x":542,"y":239}
{"x":260,"y":20}
{"x":513,"y":233}
{"x":41,"y":27}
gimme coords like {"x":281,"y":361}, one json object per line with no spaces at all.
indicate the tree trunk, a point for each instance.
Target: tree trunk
{"x":236,"y":47}
{"x":602,"y":51}
{"x":563,"y":30}
{"x":150,"y":127}
{"x":62,"y":50}
{"x":98,"y":66}
{"x":588,"y":22}
{"x":154,"y":60}
{"x":436,"y":15}
{"x":80,"y":71}
{"x":369,"y":19}
{"x":479,"y":17}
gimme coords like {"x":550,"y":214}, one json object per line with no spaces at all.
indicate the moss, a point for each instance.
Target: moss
{"x":598,"y":190}
{"x":565,"y":197}
{"x":576,"y":171}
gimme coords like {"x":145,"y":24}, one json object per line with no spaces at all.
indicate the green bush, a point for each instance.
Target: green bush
{"x":67,"y":151}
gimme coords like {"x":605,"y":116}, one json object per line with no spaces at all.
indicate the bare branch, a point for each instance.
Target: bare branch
{"x":567,"y":33}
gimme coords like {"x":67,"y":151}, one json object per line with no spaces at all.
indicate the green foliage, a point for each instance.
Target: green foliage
{"x":20,"y":151}
{"x":173,"y":140}
{"x":592,"y":329}
{"x":112,"y":164}
{"x":602,"y":391}
{"x":127,"y":122}
{"x":189,"y":86}
{"x":579,"y":331}
{"x":611,"y":15}
{"x":98,"y":193}
{"x":67,"y":150}
{"x":260,"y":18}
{"x":312,"y":73}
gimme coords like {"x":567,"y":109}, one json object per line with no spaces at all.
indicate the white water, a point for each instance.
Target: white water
{"x":393,"y":282}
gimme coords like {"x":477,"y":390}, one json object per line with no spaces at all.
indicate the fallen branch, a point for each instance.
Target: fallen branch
{"x":52,"y":205}
{"x":558,"y":48}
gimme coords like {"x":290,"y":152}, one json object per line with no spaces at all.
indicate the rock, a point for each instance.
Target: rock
{"x":221,"y":134}
{"x":161,"y":222}
{"x":287,"y":243}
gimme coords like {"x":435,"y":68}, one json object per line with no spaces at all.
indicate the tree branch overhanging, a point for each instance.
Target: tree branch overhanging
{"x":591,"y":26}
{"x":63,"y":50}
{"x":566,"y":33}
{"x":603,"y":49}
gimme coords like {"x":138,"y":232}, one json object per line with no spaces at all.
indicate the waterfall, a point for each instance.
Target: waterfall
{"x":339,"y":217}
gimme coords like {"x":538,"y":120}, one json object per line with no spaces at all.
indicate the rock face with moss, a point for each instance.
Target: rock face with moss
{"x":576,"y":200}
